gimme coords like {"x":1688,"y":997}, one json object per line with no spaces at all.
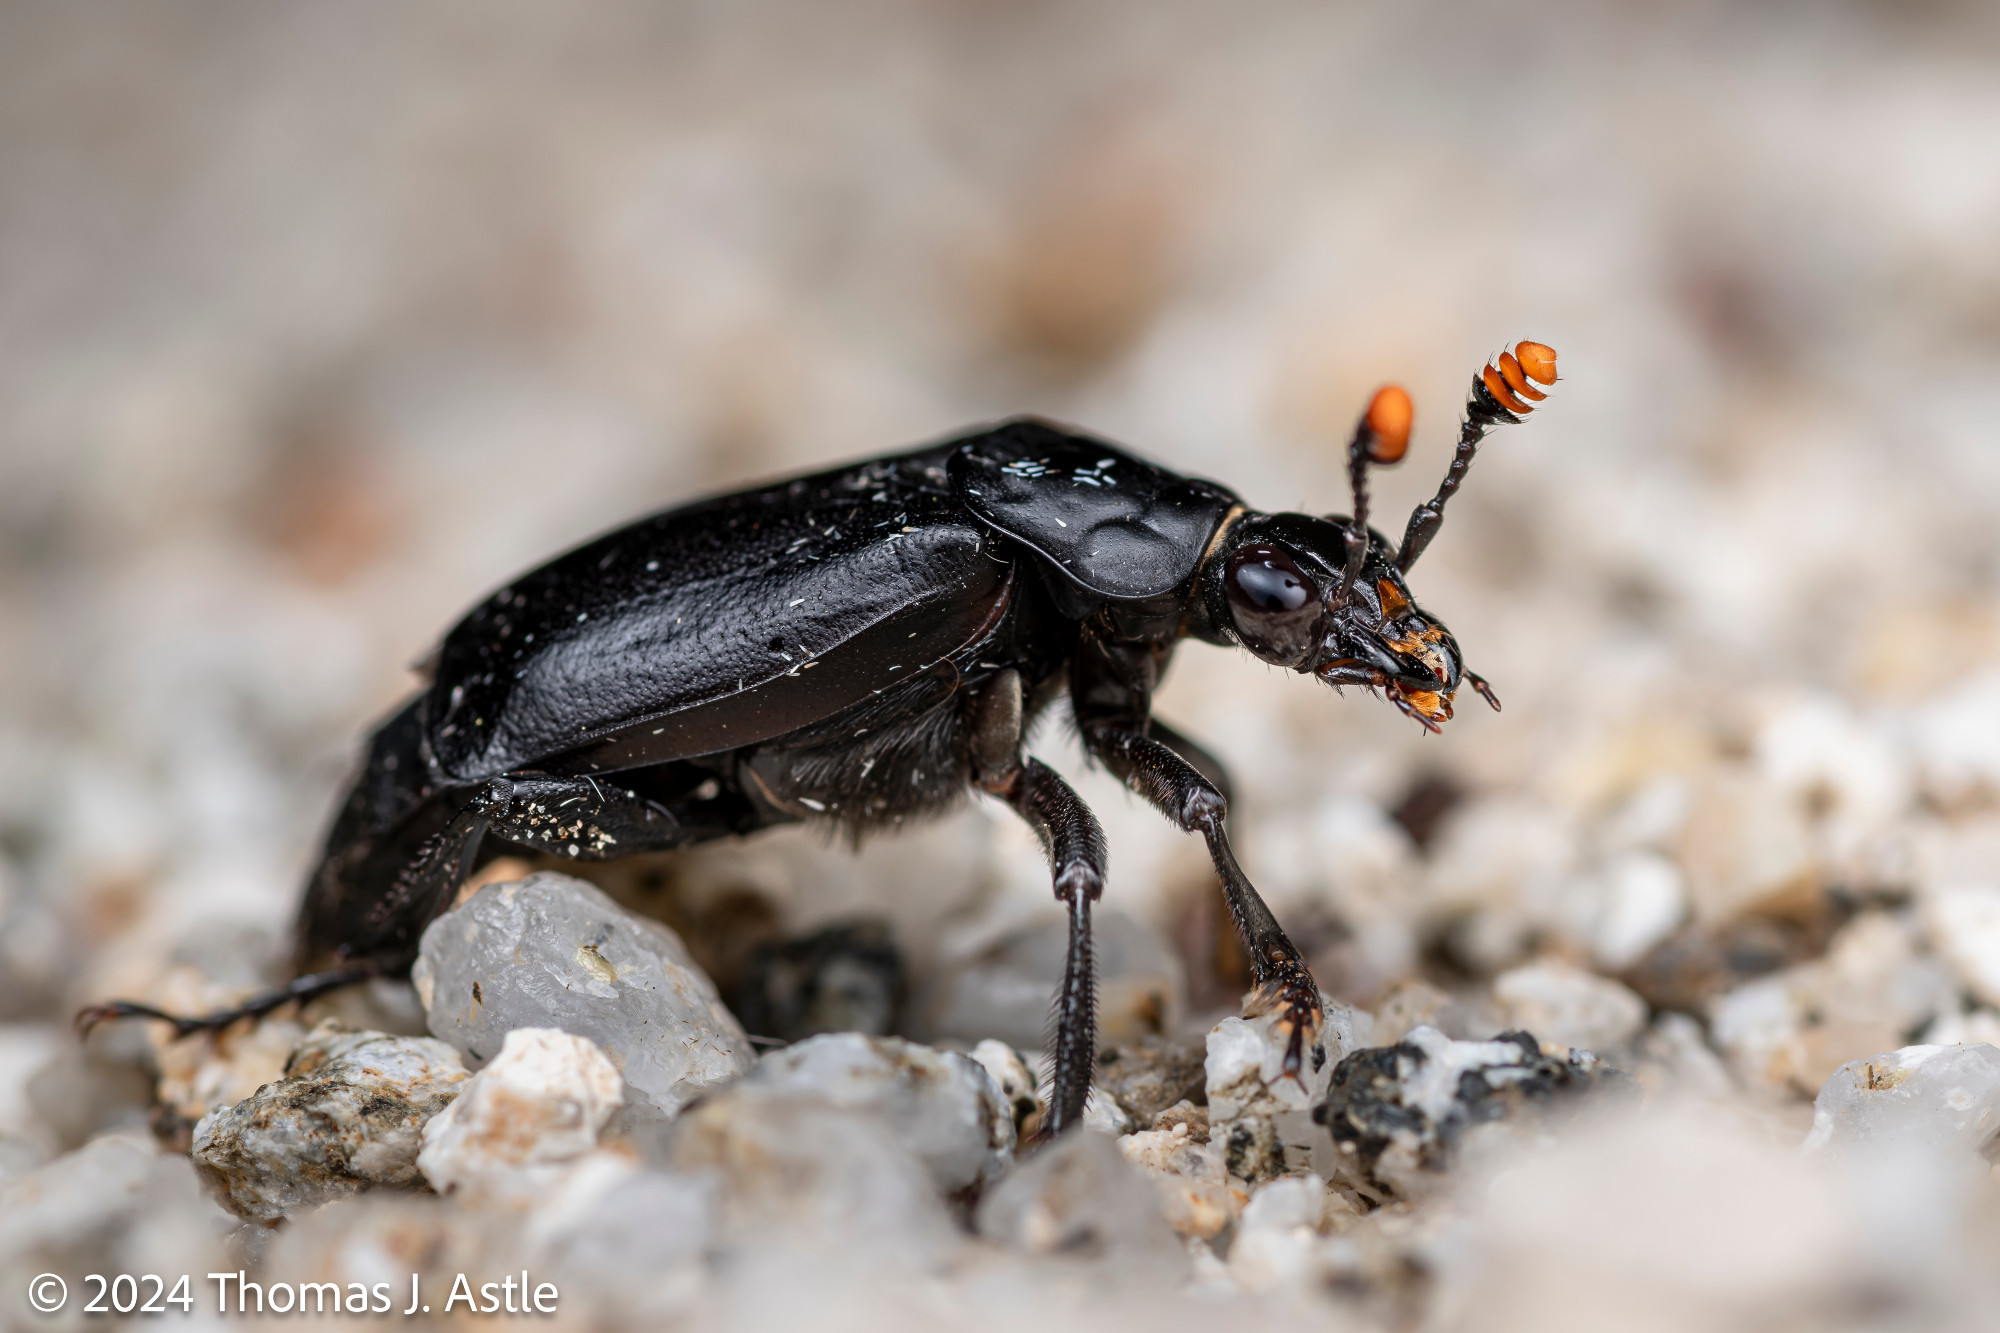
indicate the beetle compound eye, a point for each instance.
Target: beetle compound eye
{"x":1265,"y":580}
{"x":1275,"y":603}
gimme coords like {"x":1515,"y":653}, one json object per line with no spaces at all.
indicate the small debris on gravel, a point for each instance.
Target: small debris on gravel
{"x":1016,"y":1081}
{"x":1151,"y":1074}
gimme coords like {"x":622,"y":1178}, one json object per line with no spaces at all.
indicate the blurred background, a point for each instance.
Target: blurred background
{"x":317,"y":322}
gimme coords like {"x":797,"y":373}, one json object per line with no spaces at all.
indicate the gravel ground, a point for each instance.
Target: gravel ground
{"x":318,"y":322}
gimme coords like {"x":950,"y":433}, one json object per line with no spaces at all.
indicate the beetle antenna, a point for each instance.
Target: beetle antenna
{"x":1503,"y":392}
{"x":1382,"y":436}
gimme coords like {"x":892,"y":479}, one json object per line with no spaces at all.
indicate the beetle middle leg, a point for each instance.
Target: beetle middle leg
{"x":1075,"y":844}
{"x":1195,"y":753}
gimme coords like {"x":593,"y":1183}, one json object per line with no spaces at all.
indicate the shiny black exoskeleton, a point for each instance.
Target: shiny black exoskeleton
{"x":860,"y":647}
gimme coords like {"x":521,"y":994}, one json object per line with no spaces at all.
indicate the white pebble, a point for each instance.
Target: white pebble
{"x":538,"y":1105}
{"x":1965,"y":927}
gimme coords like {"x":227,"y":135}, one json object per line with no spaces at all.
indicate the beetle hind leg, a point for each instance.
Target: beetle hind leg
{"x":582,"y":818}
{"x":297,"y":991}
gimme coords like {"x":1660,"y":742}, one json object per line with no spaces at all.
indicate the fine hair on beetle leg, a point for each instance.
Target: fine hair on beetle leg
{"x":1072,"y":1023}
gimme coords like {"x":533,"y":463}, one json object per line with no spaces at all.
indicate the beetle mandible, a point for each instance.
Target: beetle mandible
{"x":859,"y":647}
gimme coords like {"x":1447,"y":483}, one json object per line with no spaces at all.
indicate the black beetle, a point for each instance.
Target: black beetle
{"x":860,"y":646}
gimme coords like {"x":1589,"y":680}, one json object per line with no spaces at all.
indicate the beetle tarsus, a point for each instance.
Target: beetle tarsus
{"x":298,"y":991}
{"x":1296,"y":997}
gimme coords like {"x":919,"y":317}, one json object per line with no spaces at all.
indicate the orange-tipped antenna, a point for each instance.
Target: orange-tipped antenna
{"x":1539,"y":360}
{"x":1502,"y":392}
{"x":1388,"y":422}
{"x":1382,"y":437}
{"x":1516,"y":377}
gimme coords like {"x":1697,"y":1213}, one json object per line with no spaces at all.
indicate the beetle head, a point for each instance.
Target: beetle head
{"x":1326,"y":595}
{"x":1279,"y":579}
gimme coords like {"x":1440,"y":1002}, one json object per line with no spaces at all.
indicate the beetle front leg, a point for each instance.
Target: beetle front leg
{"x":1177,"y":788}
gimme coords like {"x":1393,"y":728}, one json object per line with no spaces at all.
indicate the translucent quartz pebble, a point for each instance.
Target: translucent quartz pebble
{"x":116,"y":1202}
{"x":1941,"y":1096}
{"x":551,"y":951}
{"x":798,"y":1173}
{"x":1565,"y":1004}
